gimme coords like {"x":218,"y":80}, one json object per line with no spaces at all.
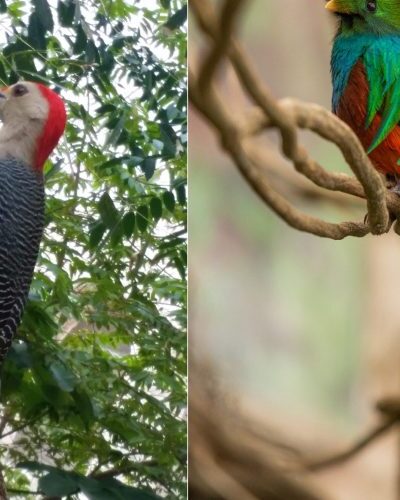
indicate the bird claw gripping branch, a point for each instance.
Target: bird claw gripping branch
{"x":33,"y":119}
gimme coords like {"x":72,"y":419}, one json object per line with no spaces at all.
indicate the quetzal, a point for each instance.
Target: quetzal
{"x":33,"y":119}
{"x":365,"y":67}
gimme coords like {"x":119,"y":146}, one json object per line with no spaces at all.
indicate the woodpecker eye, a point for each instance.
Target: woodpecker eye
{"x":19,"y":90}
{"x":371,"y":6}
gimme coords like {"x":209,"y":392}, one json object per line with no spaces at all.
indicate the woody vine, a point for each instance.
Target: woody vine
{"x":237,"y":138}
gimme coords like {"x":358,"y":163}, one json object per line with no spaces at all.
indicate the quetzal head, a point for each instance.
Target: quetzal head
{"x":379,"y":16}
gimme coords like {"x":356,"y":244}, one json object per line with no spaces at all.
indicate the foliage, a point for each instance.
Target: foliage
{"x":93,"y":391}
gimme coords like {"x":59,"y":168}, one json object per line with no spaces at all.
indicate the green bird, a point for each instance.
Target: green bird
{"x":365,"y":68}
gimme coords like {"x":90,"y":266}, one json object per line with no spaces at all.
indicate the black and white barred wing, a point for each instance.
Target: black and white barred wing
{"x":21,"y":227}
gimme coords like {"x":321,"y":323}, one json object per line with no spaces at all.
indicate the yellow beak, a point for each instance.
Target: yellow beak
{"x":337,"y":6}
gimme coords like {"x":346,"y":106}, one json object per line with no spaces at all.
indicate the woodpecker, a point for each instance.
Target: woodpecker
{"x":34,"y":119}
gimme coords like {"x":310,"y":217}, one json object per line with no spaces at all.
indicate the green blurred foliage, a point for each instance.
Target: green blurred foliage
{"x":95,"y":384}
{"x":275,"y":308}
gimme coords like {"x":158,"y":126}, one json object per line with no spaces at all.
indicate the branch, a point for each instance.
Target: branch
{"x":22,"y":426}
{"x":4,"y":420}
{"x":222,"y":37}
{"x":117,"y":471}
{"x":24,"y":492}
{"x":216,"y":112}
{"x":228,"y":459}
{"x":287,"y":116}
{"x":3,"y":492}
{"x":293,"y":184}
{"x":338,"y":459}
{"x":390,"y":410}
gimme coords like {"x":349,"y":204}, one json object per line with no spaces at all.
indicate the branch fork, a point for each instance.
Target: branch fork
{"x":287,"y":116}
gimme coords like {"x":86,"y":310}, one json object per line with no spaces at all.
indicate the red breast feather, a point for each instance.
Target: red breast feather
{"x":352,"y":110}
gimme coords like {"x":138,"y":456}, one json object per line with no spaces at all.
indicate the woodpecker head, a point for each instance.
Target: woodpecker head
{"x":34,"y":119}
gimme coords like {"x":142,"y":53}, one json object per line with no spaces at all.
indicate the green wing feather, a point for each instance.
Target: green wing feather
{"x":382,"y":65}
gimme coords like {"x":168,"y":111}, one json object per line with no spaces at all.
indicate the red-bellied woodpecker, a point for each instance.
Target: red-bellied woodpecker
{"x":33,"y":119}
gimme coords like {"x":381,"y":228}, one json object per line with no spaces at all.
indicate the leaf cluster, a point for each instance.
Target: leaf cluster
{"x":94,"y":389}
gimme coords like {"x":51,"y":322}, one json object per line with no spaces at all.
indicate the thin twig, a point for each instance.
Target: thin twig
{"x":339,"y":458}
{"x":23,"y":492}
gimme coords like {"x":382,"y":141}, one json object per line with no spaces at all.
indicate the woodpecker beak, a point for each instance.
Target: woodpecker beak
{"x":338,"y":6}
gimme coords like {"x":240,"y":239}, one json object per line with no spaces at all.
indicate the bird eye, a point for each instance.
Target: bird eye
{"x":19,"y":90}
{"x":371,"y":6}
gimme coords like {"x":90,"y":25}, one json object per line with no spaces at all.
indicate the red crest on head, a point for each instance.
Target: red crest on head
{"x":54,"y":126}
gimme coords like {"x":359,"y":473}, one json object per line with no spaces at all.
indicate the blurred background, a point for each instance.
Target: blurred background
{"x":301,"y":330}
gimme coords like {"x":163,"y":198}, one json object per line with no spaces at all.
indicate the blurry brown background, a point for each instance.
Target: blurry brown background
{"x":305,"y":331}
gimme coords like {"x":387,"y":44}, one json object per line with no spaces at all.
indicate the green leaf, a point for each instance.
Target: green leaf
{"x":135,"y":160}
{"x":80,"y":41}
{"x":149,"y":82}
{"x":66,"y":12}
{"x":63,"y":376}
{"x":122,"y":492}
{"x":113,"y":162}
{"x":142,"y":218}
{"x":183,"y":255}
{"x":117,"y":233}
{"x":180,"y":266}
{"x":15,"y":9}
{"x":129,"y":222}
{"x":44,"y":13}
{"x":34,"y":466}
{"x":177,"y":19}
{"x":3,"y":74}
{"x":62,"y":287}
{"x":84,"y":405}
{"x":40,"y":320}
{"x":117,"y":131}
{"x":168,"y":137}
{"x":36,"y":33}
{"x":172,"y":112}
{"x":20,"y":354}
{"x":107,"y":210}
{"x":172,"y":243}
{"x":94,"y":490}
{"x":181,"y":194}
{"x":96,"y":234}
{"x":169,"y":201}
{"x":22,"y":60}
{"x":105,"y":108}
{"x":148,"y":166}
{"x":156,"y":208}
{"x":91,"y":54}
{"x":56,"y":483}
